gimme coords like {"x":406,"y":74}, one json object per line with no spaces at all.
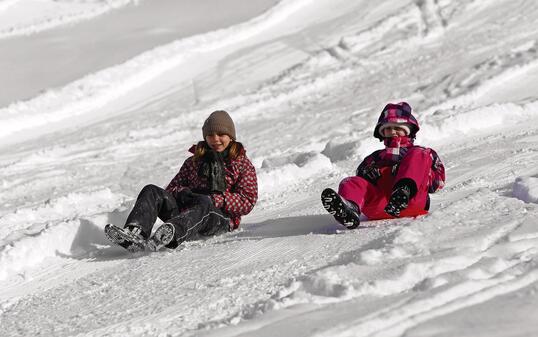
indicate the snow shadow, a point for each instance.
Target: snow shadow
{"x":88,"y":237}
{"x":524,"y":188}
{"x":290,"y":226}
{"x":90,"y":241}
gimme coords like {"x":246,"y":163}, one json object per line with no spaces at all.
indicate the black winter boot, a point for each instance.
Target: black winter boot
{"x":344,"y":211}
{"x":163,"y":236}
{"x":399,"y":200}
{"x":135,"y":230}
{"x":129,"y":237}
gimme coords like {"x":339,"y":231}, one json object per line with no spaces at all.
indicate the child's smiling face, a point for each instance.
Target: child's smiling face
{"x":393,"y":131}
{"x":218,"y":142}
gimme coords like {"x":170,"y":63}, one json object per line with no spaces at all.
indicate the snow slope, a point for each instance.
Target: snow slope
{"x":47,"y":44}
{"x":305,"y":82}
{"x":34,"y":16}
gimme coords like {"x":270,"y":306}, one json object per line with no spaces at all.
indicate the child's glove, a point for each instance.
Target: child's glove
{"x":185,"y":197}
{"x":370,"y":173}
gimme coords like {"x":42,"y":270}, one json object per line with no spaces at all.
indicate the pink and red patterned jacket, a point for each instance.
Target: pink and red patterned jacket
{"x":242,"y":185}
{"x":436,"y":175}
{"x":402,"y":113}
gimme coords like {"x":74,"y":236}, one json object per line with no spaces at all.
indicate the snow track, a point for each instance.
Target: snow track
{"x":250,"y":271}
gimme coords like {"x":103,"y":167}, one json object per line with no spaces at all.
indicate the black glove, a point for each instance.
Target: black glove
{"x":370,"y":173}
{"x":185,"y":197}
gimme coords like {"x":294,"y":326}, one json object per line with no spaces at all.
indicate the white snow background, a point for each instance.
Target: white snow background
{"x":101,"y":97}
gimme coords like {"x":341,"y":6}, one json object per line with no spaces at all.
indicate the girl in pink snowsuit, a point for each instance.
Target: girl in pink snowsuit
{"x":393,"y":182}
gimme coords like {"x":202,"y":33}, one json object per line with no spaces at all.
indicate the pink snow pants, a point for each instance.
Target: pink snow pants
{"x":372,"y":199}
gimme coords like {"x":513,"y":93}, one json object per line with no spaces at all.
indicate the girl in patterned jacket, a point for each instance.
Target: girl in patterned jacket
{"x":393,"y":182}
{"x":212,"y":190}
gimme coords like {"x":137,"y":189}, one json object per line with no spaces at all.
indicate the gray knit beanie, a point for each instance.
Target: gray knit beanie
{"x":219,"y":122}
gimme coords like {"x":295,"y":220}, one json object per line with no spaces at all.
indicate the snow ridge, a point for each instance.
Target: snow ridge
{"x":59,"y":13}
{"x":96,"y":90}
{"x":29,"y":236}
{"x":462,"y":121}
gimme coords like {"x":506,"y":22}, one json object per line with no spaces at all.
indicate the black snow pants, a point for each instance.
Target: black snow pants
{"x":201,"y":218}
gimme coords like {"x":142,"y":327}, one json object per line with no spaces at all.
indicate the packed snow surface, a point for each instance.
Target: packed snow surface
{"x":304,"y":82}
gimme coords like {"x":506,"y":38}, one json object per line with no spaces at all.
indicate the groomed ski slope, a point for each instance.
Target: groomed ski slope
{"x":305,"y":83}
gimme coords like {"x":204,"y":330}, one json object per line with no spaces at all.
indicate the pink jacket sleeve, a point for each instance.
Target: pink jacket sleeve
{"x":437,"y":174}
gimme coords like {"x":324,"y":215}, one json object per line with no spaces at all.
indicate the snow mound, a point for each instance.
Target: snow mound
{"x":338,"y":151}
{"x":526,"y":189}
{"x":65,"y":226}
{"x":278,"y":173}
{"x":447,"y":123}
{"x":31,"y":221}
{"x":61,"y":240}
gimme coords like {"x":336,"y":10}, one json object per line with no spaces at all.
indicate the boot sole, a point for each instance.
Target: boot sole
{"x":118,"y":236}
{"x":396,"y":205}
{"x":162,"y":237}
{"x":336,"y":207}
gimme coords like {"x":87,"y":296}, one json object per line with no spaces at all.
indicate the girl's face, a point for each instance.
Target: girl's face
{"x":393,"y":131}
{"x":218,"y":142}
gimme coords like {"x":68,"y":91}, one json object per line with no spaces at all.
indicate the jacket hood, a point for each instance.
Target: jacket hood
{"x":397,"y":113}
